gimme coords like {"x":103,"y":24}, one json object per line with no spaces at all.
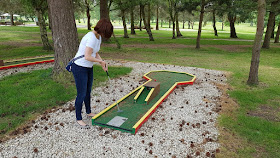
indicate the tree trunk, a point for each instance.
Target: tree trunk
{"x":149,"y":15}
{"x":104,"y":10}
{"x":161,"y":21}
{"x":132,"y":21}
{"x":43,"y":30}
{"x":189,"y":24}
{"x":177,"y":25}
{"x":12,"y":18}
{"x":88,"y":15}
{"x":273,"y":28}
{"x":140,"y":23}
{"x":50,"y":19}
{"x":192,"y":24}
{"x":222,"y":26}
{"x":277,"y":34}
{"x":157,"y":20}
{"x":172,"y":17}
{"x":173,"y":30}
{"x":200,"y":24}
{"x":65,"y":36}
{"x":253,"y":75}
{"x":125,"y":35}
{"x":148,"y":29}
{"x":231,"y":20}
{"x":214,"y":23}
{"x":271,"y":19}
{"x":169,"y":23}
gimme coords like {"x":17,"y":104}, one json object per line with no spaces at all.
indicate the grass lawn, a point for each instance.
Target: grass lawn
{"x":257,"y":135}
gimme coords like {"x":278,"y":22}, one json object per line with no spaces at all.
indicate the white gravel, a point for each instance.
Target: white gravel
{"x":161,"y":136}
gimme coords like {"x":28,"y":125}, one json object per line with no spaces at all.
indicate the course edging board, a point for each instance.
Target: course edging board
{"x":27,"y":62}
{"x":151,"y":110}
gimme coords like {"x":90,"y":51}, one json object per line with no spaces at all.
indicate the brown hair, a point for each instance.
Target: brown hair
{"x":104,"y":27}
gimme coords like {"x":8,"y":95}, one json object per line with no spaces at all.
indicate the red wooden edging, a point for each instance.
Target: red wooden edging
{"x":26,"y":64}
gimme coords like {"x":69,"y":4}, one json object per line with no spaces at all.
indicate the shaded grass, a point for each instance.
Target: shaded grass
{"x":12,"y":52}
{"x":25,"y":94}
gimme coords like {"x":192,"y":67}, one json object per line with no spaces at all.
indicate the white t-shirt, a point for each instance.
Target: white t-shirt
{"x":89,"y":40}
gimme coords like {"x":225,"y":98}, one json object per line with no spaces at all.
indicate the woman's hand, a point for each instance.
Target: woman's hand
{"x":104,"y":65}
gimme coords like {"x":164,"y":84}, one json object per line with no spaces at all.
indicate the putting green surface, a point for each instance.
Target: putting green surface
{"x":134,"y":111}
{"x":27,"y":61}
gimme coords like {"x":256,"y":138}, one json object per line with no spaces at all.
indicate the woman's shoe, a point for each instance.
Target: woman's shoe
{"x":83,"y":126}
{"x":89,"y":116}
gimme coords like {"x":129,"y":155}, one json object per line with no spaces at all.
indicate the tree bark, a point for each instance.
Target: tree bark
{"x":140,"y":23}
{"x":104,"y":10}
{"x":169,"y":23}
{"x":65,"y":36}
{"x":271,"y":19}
{"x":277,"y":34}
{"x":192,"y":24}
{"x":214,"y":22}
{"x":50,"y":19}
{"x":172,"y":6}
{"x":12,"y":18}
{"x":189,"y":24}
{"x":149,"y":15}
{"x":132,"y":21}
{"x":231,"y":20}
{"x":148,"y":28}
{"x":88,"y":15}
{"x":43,"y":30}
{"x":273,"y":28}
{"x":222,"y":26}
{"x":253,"y":75}
{"x":177,"y":25}
{"x":200,"y":24}
{"x":125,"y":35}
{"x":157,"y":19}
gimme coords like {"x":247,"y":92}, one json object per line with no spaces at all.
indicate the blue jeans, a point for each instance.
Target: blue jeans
{"x":83,"y":79}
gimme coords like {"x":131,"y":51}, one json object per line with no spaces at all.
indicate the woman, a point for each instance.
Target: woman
{"x":82,"y":67}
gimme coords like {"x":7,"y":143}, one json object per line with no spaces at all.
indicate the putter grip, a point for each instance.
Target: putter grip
{"x":107,"y":73}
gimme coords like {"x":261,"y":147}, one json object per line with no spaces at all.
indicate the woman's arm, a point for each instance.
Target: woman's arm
{"x":98,"y":56}
{"x":98,"y":59}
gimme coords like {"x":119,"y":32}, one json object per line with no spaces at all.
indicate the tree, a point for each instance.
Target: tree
{"x":12,"y":7}
{"x":253,"y":75}
{"x":271,"y":20}
{"x":65,"y":36}
{"x":157,"y":18}
{"x":132,"y":29}
{"x":235,"y":9}
{"x":277,"y":34}
{"x":203,"y":3}
{"x":171,"y":6}
{"x":104,"y":9}
{"x":123,"y":6}
{"x":40,"y":7}
{"x":214,"y":22}
{"x":146,"y":23}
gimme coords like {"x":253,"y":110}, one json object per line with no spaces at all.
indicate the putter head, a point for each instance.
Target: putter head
{"x":120,"y":111}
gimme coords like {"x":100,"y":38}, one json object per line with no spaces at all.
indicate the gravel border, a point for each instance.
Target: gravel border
{"x":184,"y":125}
